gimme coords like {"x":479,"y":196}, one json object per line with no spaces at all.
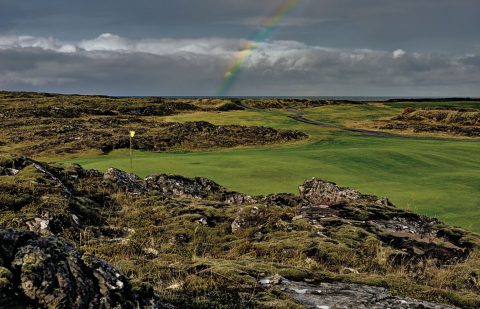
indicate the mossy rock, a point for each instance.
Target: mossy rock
{"x":5,"y":278}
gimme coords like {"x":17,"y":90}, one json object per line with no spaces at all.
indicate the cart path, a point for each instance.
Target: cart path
{"x":298,"y":116}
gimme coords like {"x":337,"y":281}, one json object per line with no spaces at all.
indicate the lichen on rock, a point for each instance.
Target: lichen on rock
{"x":47,"y":272}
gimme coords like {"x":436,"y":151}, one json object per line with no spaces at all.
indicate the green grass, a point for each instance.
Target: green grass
{"x":341,"y":114}
{"x":436,"y":178}
{"x":460,"y":104}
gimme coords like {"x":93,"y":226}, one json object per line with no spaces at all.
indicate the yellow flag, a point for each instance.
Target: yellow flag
{"x":132,"y":133}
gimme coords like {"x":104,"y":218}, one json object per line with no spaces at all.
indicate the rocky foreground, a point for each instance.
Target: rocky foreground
{"x":75,"y":238}
{"x":46,"y":272}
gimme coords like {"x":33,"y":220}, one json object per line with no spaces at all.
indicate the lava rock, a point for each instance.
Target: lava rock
{"x":47,"y":272}
{"x":238,"y":224}
{"x":345,"y":295}
{"x":319,"y":192}
{"x":238,"y":198}
{"x":282,"y":199}
{"x":198,"y":187}
{"x":129,"y":182}
{"x":182,"y":186}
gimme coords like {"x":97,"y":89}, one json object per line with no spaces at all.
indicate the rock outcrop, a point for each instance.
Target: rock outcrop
{"x":42,"y":199}
{"x":282,"y":199}
{"x":319,"y":192}
{"x":125,"y":181}
{"x":47,"y":272}
{"x":415,"y":236}
{"x":178,"y":186}
{"x":197,"y":187}
{"x":346,"y":295}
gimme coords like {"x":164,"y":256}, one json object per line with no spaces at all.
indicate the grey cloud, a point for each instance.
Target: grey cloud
{"x":289,"y":21}
{"x":427,"y":25}
{"x":110,"y":64}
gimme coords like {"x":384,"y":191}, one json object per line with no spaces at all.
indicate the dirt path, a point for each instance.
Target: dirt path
{"x":298,"y":116}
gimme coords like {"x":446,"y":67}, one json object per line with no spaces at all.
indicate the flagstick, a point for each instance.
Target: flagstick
{"x":132,"y":135}
{"x":131,"y":160}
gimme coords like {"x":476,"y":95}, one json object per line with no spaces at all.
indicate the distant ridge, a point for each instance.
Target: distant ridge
{"x":339,"y":98}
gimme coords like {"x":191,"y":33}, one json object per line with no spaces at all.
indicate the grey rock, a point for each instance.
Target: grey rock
{"x":40,"y":226}
{"x":348,"y":270}
{"x":129,"y":182}
{"x":198,"y":187}
{"x":180,"y":186}
{"x":13,"y":164}
{"x":346,"y":296}
{"x":203,"y":220}
{"x":47,"y":272}
{"x":319,"y":192}
{"x":9,"y":171}
{"x":43,"y":169}
{"x":238,"y":198}
{"x":271,"y":281}
{"x":281,"y":199}
{"x":238,"y":224}
{"x":416,"y":237}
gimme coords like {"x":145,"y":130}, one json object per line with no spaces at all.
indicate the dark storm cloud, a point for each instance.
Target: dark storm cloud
{"x":449,"y":25}
{"x":111,"y":64}
{"x":182,"y":47}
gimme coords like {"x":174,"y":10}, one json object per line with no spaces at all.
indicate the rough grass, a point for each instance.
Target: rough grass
{"x":161,"y":243}
{"x":204,"y":271}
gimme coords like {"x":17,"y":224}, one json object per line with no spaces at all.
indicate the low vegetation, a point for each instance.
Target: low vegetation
{"x":199,"y":245}
{"x":449,"y":121}
{"x":56,"y":125}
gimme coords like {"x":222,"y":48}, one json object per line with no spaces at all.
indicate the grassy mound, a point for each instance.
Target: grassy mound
{"x":449,"y":121}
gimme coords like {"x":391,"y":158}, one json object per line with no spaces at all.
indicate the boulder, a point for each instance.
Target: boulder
{"x":8,"y":171}
{"x":47,"y":272}
{"x":319,"y":192}
{"x":198,"y":187}
{"x":238,"y":224}
{"x":11,"y":165}
{"x":282,"y":199}
{"x":129,"y":182}
{"x":180,"y":186}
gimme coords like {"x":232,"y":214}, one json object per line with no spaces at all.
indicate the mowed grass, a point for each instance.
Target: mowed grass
{"x":342,"y":115}
{"x":436,"y":178}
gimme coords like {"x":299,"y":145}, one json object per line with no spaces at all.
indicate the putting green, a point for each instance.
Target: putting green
{"x":436,"y":178}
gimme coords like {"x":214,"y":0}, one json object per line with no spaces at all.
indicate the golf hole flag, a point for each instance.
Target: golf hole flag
{"x":132,"y":133}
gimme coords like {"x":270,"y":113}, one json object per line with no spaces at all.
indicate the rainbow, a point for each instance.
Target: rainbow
{"x":268,"y":25}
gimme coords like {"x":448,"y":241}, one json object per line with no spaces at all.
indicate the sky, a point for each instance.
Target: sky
{"x":412,"y":48}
